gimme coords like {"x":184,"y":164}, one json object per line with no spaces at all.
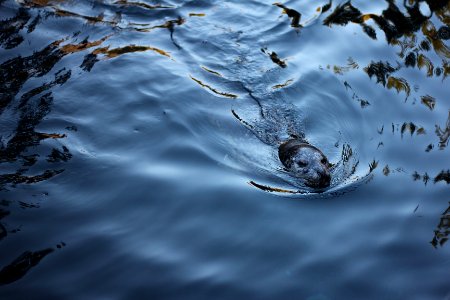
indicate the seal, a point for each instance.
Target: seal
{"x":306,"y":162}
{"x":301,"y":159}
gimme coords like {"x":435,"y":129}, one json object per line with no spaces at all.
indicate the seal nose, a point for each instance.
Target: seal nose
{"x":325,"y":180}
{"x":322,"y":179}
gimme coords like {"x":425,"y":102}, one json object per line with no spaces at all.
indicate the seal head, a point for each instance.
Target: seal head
{"x":306,"y":162}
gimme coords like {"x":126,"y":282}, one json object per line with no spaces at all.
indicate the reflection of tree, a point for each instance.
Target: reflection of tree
{"x":25,"y":104}
{"x":404,"y":27}
{"x":401,"y":29}
{"x":421,"y":40}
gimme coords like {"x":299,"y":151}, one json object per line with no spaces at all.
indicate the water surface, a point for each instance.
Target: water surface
{"x":138,"y":155}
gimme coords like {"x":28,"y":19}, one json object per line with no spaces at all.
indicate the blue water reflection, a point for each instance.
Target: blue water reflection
{"x":139,"y":149}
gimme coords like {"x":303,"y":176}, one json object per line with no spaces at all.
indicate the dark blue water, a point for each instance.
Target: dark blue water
{"x":139,"y":160}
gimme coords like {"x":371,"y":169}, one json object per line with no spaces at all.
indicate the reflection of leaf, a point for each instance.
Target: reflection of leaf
{"x":400,"y":84}
{"x":380,"y":70}
{"x":443,"y":134}
{"x":425,"y":178}
{"x":20,"y":179}
{"x":421,"y":130}
{"x":196,"y":15}
{"x":443,"y":176}
{"x":410,"y":59}
{"x":386,"y":170}
{"x":440,"y":48}
{"x":351,"y":64}
{"x":228,"y":95}
{"x":443,"y":229}
{"x":211,"y":71}
{"x":363,"y":103}
{"x":446,"y":69}
{"x":423,"y":61}
{"x":294,"y":15}
{"x":267,"y":188}
{"x":143,"y":5}
{"x":373,"y":165}
{"x":411,"y":127}
{"x":347,"y":152}
{"x":274,"y":57}
{"x":128,"y":49}
{"x":416,"y":176}
{"x":73,"y":48}
{"x":282,"y":85}
{"x":21,"y":265}
{"x":429,"y":101}
{"x":343,"y":14}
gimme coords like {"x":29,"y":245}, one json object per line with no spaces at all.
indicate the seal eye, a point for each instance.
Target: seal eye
{"x":324,"y":161}
{"x":301,"y":164}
